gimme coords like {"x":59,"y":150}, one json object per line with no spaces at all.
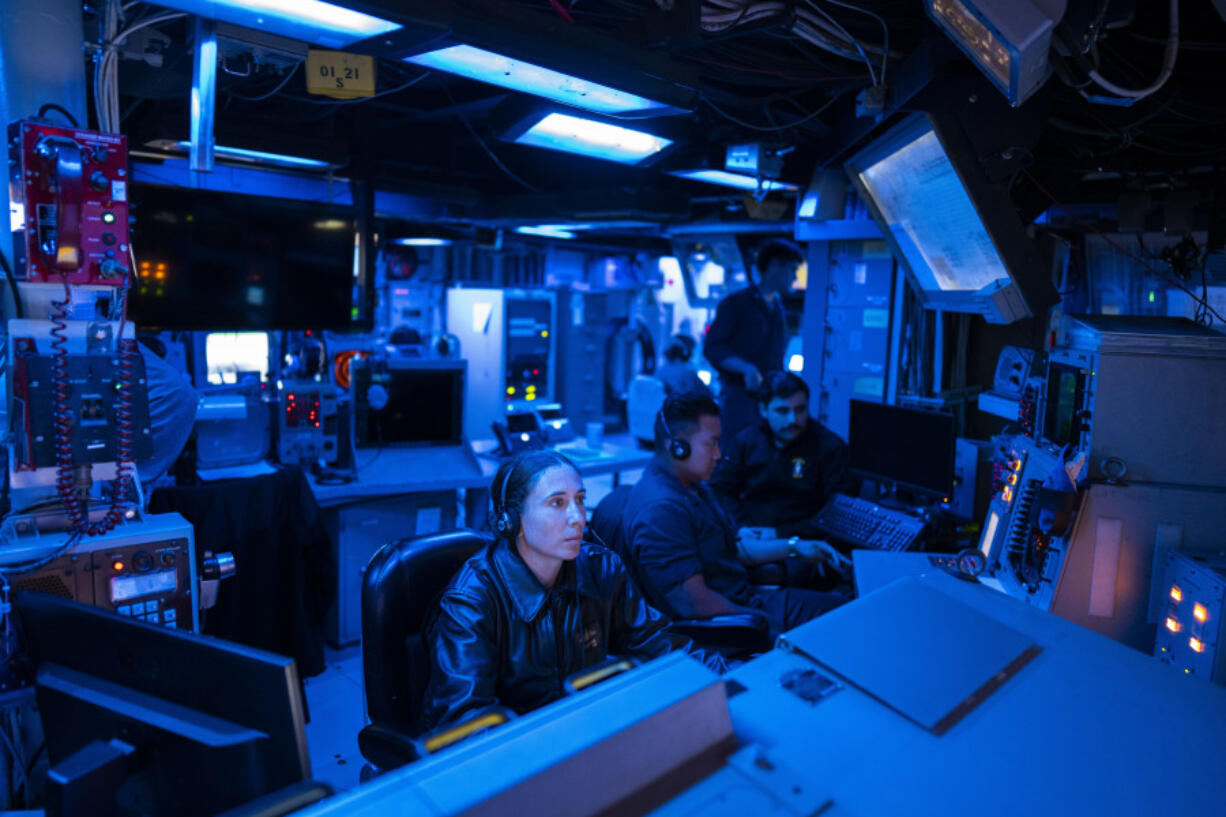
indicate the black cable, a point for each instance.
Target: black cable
{"x":51,"y":106}
{"x":8,"y":273}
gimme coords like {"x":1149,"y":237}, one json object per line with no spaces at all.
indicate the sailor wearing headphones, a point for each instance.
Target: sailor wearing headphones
{"x":537,"y":605}
{"x":684,"y":546}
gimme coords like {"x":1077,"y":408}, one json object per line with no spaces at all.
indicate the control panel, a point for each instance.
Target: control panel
{"x":1027,"y":560}
{"x":1191,"y":629}
{"x":529,"y":322}
{"x":69,"y":190}
{"x":81,"y":400}
{"x":144,"y":569}
{"x":307,"y":423}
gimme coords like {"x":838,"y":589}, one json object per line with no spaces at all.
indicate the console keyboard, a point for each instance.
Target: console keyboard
{"x":867,"y":525}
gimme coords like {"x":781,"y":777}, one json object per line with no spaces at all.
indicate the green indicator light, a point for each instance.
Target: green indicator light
{"x":108,"y":218}
{"x":1151,"y":297}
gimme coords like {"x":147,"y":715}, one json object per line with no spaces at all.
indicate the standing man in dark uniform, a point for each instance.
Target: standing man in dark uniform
{"x":747,"y":337}
{"x":780,"y":472}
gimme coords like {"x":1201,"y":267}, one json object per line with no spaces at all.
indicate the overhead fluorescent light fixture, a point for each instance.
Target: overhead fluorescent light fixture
{"x":729,"y":179}
{"x":422,"y":242}
{"x":1008,"y":39}
{"x":260,"y":157}
{"x":588,"y":137}
{"x":497,"y":69}
{"x":553,"y":230}
{"x":311,"y":21}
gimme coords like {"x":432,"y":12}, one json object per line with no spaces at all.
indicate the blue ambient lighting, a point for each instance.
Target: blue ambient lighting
{"x":422,"y":242}
{"x":573,"y":134}
{"x":737,"y":180}
{"x":260,"y":157}
{"x":552,"y":230}
{"x":312,"y":21}
{"x":486,"y":66}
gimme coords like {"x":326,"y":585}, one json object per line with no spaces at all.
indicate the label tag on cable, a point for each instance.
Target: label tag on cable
{"x":340,"y":75}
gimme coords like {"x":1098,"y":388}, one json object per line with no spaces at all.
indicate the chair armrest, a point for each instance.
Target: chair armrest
{"x":474,"y":723}
{"x":740,"y":631}
{"x":591,"y":676}
{"x":386,"y":746}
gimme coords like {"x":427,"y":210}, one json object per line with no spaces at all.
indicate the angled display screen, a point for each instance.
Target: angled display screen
{"x":930,"y":215}
{"x":957,"y":235}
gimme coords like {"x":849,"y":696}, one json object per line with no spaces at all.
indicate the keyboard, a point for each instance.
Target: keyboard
{"x":865,"y":524}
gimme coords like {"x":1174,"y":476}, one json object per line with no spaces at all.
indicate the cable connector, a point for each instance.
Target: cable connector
{"x":871,"y":102}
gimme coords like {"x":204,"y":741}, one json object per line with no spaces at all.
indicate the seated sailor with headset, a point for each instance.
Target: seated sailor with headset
{"x":538,"y":604}
{"x":686,"y":547}
{"x":779,"y":473}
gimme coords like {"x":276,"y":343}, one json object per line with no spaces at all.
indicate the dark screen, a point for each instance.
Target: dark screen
{"x":209,"y":260}
{"x":424,"y":407}
{"x":101,"y":673}
{"x":1065,"y":387}
{"x":911,"y":447}
{"x":519,"y":423}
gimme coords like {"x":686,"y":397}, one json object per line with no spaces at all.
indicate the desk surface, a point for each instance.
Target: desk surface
{"x":390,"y":471}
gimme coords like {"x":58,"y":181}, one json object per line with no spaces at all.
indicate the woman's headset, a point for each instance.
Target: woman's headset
{"x":506,"y":519}
{"x":678,"y":448}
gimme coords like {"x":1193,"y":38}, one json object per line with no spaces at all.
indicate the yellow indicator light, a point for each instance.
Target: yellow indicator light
{"x":1172,"y":624}
{"x":1007,"y":494}
{"x":544,"y":333}
{"x":160,"y":274}
{"x":531,"y":396}
{"x":510,"y":390}
{"x":1200,"y":613}
{"x":1013,"y":479}
{"x":1196,"y":644}
{"x":117,"y":565}
{"x":1187,"y":670}
{"x":1176,"y":593}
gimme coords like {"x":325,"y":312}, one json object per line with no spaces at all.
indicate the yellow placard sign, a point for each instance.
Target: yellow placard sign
{"x":340,"y":75}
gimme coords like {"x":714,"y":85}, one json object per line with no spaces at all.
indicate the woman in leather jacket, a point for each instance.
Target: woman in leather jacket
{"x":535,"y":606}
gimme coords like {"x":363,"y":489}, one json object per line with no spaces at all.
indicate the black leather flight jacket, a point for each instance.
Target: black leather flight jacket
{"x":500,"y":637}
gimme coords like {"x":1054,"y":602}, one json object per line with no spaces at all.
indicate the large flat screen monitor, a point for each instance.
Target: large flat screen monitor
{"x":208,"y":260}
{"x":958,"y":237}
{"x":912,"y":448}
{"x":408,"y":402}
{"x":212,"y":724}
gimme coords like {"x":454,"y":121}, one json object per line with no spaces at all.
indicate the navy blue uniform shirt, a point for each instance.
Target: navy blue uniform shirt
{"x":674,"y":533}
{"x":747,"y":326}
{"x":781,"y":488}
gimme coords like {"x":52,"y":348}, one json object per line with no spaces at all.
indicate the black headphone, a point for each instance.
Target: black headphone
{"x":506,"y":519}
{"x":678,"y":448}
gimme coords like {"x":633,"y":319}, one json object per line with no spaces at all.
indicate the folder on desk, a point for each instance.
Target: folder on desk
{"x":920,"y":652}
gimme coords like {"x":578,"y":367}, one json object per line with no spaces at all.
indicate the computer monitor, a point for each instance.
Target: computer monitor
{"x":210,"y":260}
{"x":958,"y":237}
{"x":213,"y":724}
{"x":230,"y":355}
{"x":408,"y":402}
{"x":911,"y":448}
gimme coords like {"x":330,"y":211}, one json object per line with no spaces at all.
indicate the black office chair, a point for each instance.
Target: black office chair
{"x":730,"y":634}
{"x":402,"y":583}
